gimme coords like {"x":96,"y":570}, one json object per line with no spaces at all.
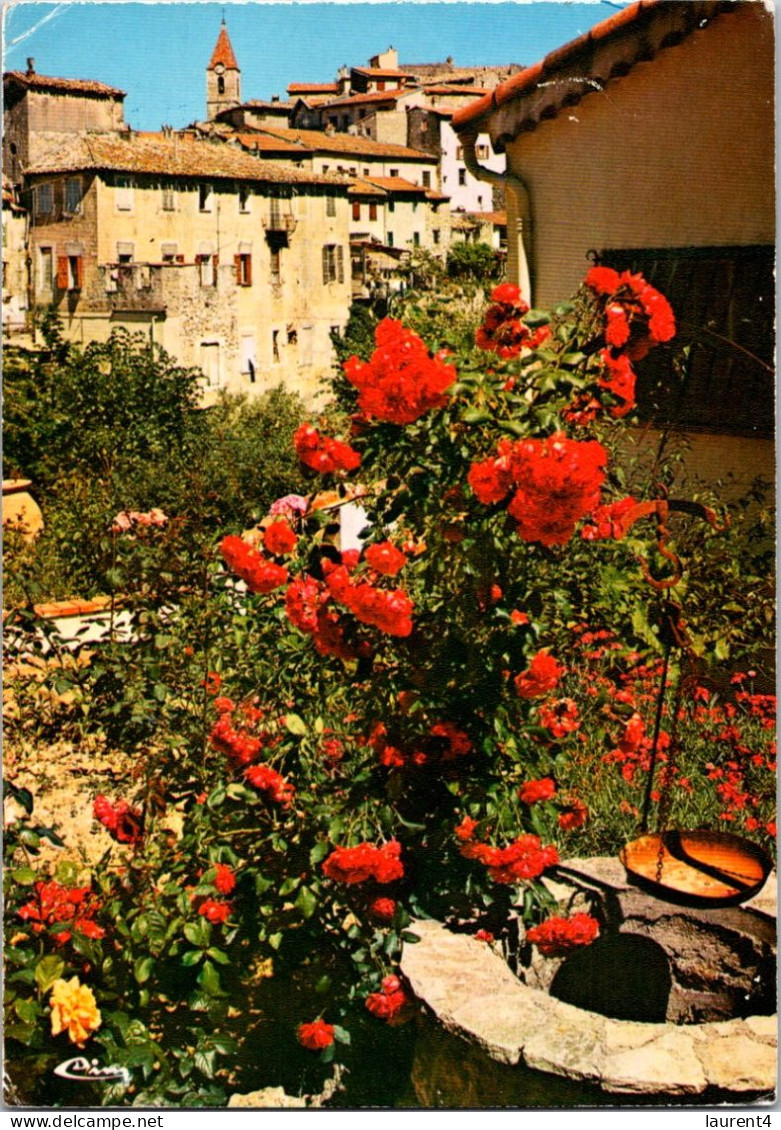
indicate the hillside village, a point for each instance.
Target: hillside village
{"x":239,"y":242}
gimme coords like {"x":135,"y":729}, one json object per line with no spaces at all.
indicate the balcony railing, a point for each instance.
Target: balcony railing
{"x":135,"y":286}
{"x":279,"y":222}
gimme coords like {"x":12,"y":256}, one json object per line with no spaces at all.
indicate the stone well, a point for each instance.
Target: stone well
{"x":679,"y":1003}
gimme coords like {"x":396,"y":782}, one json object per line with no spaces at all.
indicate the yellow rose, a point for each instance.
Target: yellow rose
{"x":73,"y":1008}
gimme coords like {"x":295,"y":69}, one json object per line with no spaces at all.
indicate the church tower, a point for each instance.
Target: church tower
{"x":223,"y":77}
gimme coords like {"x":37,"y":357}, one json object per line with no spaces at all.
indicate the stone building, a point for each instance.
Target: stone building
{"x":230,"y":263}
{"x":647,"y":144}
{"x":223,"y":77}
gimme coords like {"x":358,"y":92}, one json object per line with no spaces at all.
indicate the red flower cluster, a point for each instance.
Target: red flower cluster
{"x":559,"y":717}
{"x":557,"y":481}
{"x":224,"y":879}
{"x":575,"y":815}
{"x":240,"y":745}
{"x":316,"y":1036}
{"x":503,"y":332}
{"x":76,"y":906}
{"x":448,"y":743}
{"x":365,"y":861}
{"x":388,"y":1003}
{"x":322,"y":453}
{"x":402,"y":380}
{"x":258,"y":573}
{"x":533,"y":791}
{"x":559,"y":936}
{"x":306,"y":604}
{"x":126,"y":824}
{"x":390,"y":611}
{"x":267,"y":780}
{"x":542,"y":675}
{"x":279,"y":539}
{"x":385,"y":558}
{"x":525,"y":858}
{"x":607,"y":521}
{"x":214,"y":911}
{"x":637,"y":317}
{"x":382,"y":909}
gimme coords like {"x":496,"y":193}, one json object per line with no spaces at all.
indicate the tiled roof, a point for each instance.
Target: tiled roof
{"x":313,"y":88}
{"x":375,"y":96}
{"x":63,"y":85}
{"x":437,"y":197}
{"x":498,"y":219}
{"x":380,"y":73}
{"x":172,"y":157}
{"x":259,"y":104}
{"x":397,"y":184}
{"x":223,"y":52}
{"x":584,"y":65}
{"x":346,"y":143}
{"x":262,"y":143}
{"x":363,"y":187}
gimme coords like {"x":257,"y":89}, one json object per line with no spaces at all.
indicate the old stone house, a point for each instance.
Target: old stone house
{"x":231,"y":263}
{"x":647,"y":144}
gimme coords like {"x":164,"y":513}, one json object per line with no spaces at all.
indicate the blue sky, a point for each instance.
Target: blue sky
{"x":158,"y":52}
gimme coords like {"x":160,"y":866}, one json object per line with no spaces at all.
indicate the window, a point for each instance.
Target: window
{"x":243,"y":264}
{"x":394,"y":173}
{"x":125,"y":252}
{"x":333,"y":263}
{"x":168,"y":252}
{"x":414,"y":205}
{"x":70,"y":272}
{"x":462,"y":177}
{"x":45,"y":268}
{"x":728,"y":389}
{"x":124,"y":194}
{"x":244,"y":198}
{"x":276,"y":267}
{"x":210,"y":361}
{"x":391,"y":205}
{"x":44,"y":199}
{"x":169,"y":197}
{"x":353,"y":171}
{"x":372,"y":211}
{"x":416,"y":239}
{"x":205,"y":197}
{"x":208,"y":269}
{"x":325,"y":168}
{"x":436,"y":234}
{"x":345,"y":121}
{"x":248,"y":357}
{"x":73,"y":195}
{"x":356,"y":210}
{"x":275,"y":346}
{"x":459,"y":153}
{"x":482,"y":152}
{"x":220,"y":84}
{"x":389,"y":239}
{"x":330,"y":205}
{"x":427,"y":179}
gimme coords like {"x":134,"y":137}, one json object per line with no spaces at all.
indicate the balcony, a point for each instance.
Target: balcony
{"x":135,"y":286}
{"x":279,"y":223}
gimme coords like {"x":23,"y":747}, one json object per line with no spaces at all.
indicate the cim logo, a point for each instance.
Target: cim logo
{"x":89,"y":1071}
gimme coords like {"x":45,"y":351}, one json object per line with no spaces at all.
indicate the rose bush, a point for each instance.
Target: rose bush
{"x":345,"y":737}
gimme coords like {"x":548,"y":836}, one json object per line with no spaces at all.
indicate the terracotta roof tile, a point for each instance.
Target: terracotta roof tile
{"x":171,"y":157}
{"x":498,"y":219}
{"x":375,"y":96}
{"x":63,"y":85}
{"x":262,"y":143}
{"x":397,"y":184}
{"x":363,"y":187}
{"x":313,"y":88}
{"x":346,"y":143}
{"x":637,"y":18}
{"x":223,"y":52}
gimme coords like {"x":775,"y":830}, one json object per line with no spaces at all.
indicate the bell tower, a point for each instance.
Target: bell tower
{"x":223,"y":77}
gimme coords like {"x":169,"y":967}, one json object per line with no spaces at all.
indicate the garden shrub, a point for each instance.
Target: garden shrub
{"x":354,"y":737}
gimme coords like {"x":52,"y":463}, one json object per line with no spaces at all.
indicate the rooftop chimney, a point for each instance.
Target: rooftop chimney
{"x":275,"y":98}
{"x":31,"y":66}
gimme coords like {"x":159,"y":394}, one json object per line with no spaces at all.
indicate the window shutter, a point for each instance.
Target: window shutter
{"x":79,"y":272}
{"x":198,"y":260}
{"x":237,"y":265}
{"x":325,"y":264}
{"x":62,"y":272}
{"x":179,"y":258}
{"x":248,"y":272}
{"x":340,"y":263}
{"x":356,"y":210}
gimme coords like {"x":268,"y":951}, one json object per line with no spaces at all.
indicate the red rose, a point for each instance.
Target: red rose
{"x":316,"y":1036}
{"x":258,"y":573}
{"x":365,"y":861}
{"x":279,"y":539}
{"x":382,"y":909}
{"x":385,"y":558}
{"x":214,"y":911}
{"x":534,"y":791}
{"x":541,"y":676}
{"x":224,"y":879}
{"x":559,"y":936}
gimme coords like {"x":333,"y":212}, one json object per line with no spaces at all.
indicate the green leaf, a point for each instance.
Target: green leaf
{"x":341,"y":1035}
{"x":28,"y":1011}
{"x":209,"y":980}
{"x":476,"y":416}
{"x":48,"y":970}
{"x":318,"y":853}
{"x":409,"y":937}
{"x":142,"y":969}
{"x":218,"y":955}
{"x":275,"y":941}
{"x":306,"y":902}
{"x":191,"y":957}
{"x":24,"y":876}
{"x":295,"y":725}
{"x":198,"y":933}
{"x":290,"y":885}
{"x":205,"y":1062}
